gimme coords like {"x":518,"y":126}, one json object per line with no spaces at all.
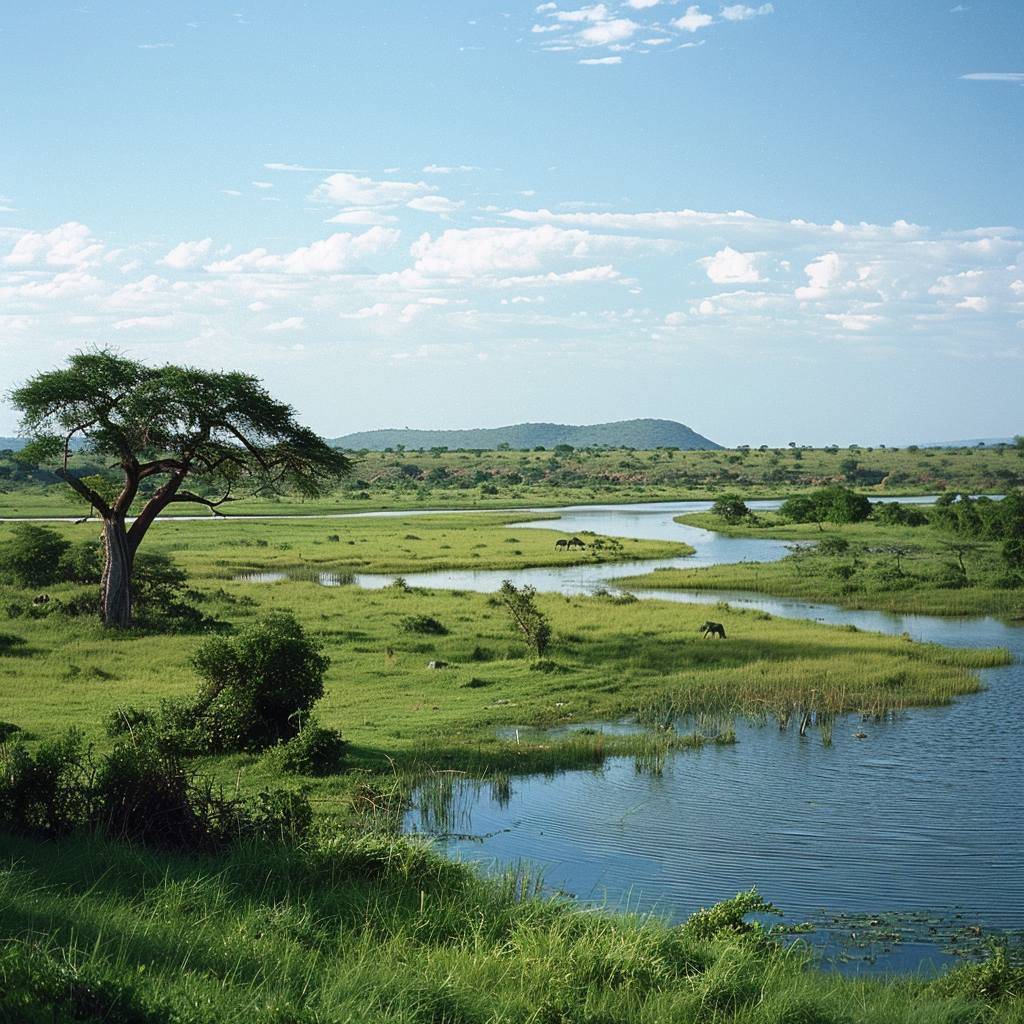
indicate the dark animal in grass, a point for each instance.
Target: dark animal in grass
{"x":41,"y":599}
{"x":561,"y":543}
{"x":575,"y":542}
{"x":713,"y":629}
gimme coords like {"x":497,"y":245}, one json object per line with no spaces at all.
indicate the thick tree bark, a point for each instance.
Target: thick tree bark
{"x":117,"y":575}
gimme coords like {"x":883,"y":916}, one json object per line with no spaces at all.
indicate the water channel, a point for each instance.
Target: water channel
{"x":916,"y":830}
{"x":898,"y":845}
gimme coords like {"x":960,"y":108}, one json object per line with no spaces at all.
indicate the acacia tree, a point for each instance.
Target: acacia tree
{"x":162,"y":426}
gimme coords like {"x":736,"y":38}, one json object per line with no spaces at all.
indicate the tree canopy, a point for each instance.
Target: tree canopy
{"x":161,"y":425}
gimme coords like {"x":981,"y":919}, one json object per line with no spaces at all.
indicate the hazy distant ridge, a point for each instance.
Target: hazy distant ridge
{"x":643,"y":433}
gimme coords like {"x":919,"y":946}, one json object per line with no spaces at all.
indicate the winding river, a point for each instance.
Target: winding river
{"x":915,"y":832}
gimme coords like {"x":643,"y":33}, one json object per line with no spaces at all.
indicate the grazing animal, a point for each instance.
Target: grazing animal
{"x":575,"y":542}
{"x":41,"y":599}
{"x":561,"y":543}
{"x":713,"y":629}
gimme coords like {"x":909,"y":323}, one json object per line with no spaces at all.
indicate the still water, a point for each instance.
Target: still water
{"x":924,"y":815}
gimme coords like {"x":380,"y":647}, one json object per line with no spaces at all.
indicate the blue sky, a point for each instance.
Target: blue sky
{"x":795,"y":220}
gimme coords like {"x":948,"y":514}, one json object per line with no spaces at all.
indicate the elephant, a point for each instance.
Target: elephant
{"x":715,"y":629}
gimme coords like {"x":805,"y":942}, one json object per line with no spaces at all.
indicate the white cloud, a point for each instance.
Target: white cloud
{"x":601,"y":60}
{"x":69,"y":245}
{"x":605,"y":32}
{"x":326,"y":256}
{"x":994,"y":76}
{"x":156,"y":46}
{"x":479,"y":252}
{"x":434,"y":204}
{"x":588,"y":275}
{"x":363,"y":218}
{"x":642,"y":5}
{"x":292,"y":323}
{"x":146,"y":322}
{"x":460,"y":169}
{"x":975,"y":303}
{"x":728,"y":266}
{"x":187,"y":254}
{"x":599,"y":12}
{"x":378,"y":309}
{"x":693,"y":20}
{"x":741,"y":12}
{"x":823,"y":274}
{"x":262,"y":184}
{"x":854,"y":321}
{"x":350,"y":190}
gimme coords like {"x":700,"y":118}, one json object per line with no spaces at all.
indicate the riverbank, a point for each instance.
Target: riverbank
{"x":913,"y":570}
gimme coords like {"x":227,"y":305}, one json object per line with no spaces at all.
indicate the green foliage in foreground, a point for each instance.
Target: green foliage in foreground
{"x":369,"y":928}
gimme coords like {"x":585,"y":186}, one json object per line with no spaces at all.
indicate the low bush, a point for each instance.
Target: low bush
{"x":314,"y":751}
{"x":423,"y":624}
{"x":257,"y":686}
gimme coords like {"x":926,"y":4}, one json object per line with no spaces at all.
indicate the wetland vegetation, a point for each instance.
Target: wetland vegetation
{"x":189,"y":837}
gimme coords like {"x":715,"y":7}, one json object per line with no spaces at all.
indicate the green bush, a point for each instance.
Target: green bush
{"x":423,"y":624}
{"x":314,"y":751}
{"x":33,"y":555}
{"x":257,"y":685}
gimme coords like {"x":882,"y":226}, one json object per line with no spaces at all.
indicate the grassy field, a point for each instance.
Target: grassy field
{"x":892,"y":568}
{"x":510,"y":479}
{"x":358,"y":924}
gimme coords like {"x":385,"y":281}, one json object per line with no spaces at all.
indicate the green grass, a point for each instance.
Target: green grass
{"x":607,"y":660}
{"x":863,"y":577}
{"x":356,"y":928}
{"x":361,"y":925}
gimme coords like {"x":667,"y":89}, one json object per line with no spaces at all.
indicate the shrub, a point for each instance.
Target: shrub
{"x":257,"y":684}
{"x":82,"y":563}
{"x":833,"y":546}
{"x":46,"y":794}
{"x":728,"y":918}
{"x":994,"y":979}
{"x":314,"y":751}
{"x":527,"y":618}
{"x":32,"y":557}
{"x":423,"y":624}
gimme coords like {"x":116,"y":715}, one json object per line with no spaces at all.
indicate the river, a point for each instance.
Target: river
{"x":916,"y":830}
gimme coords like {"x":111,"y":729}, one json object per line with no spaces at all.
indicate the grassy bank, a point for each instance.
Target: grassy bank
{"x":891,"y":568}
{"x":365,"y":928}
{"x":607,"y":659}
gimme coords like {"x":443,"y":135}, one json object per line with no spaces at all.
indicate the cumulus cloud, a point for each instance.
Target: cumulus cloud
{"x":615,"y":30}
{"x":728,"y":266}
{"x":187,"y":254}
{"x":975,"y":303}
{"x":480,"y":252}
{"x":823,"y":274}
{"x":349,"y":190}
{"x":693,"y":20}
{"x":326,"y":256}
{"x":69,"y":245}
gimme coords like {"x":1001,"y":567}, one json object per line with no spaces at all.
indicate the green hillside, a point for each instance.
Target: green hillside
{"x":641,"y":434}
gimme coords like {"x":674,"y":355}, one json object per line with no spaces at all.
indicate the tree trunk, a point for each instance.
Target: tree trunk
{"x":117,"y":575}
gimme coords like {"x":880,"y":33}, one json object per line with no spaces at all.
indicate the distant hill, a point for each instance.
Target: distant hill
{"x":641,"y":434}
{"x":973,"y":442}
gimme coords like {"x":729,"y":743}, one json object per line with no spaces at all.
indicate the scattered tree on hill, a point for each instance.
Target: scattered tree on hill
{"x":166,"y":425}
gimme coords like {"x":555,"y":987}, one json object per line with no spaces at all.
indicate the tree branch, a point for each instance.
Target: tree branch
{"x":91,"y":496}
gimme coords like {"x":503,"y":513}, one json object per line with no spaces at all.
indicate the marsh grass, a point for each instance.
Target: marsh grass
{"x":865,"y":577}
